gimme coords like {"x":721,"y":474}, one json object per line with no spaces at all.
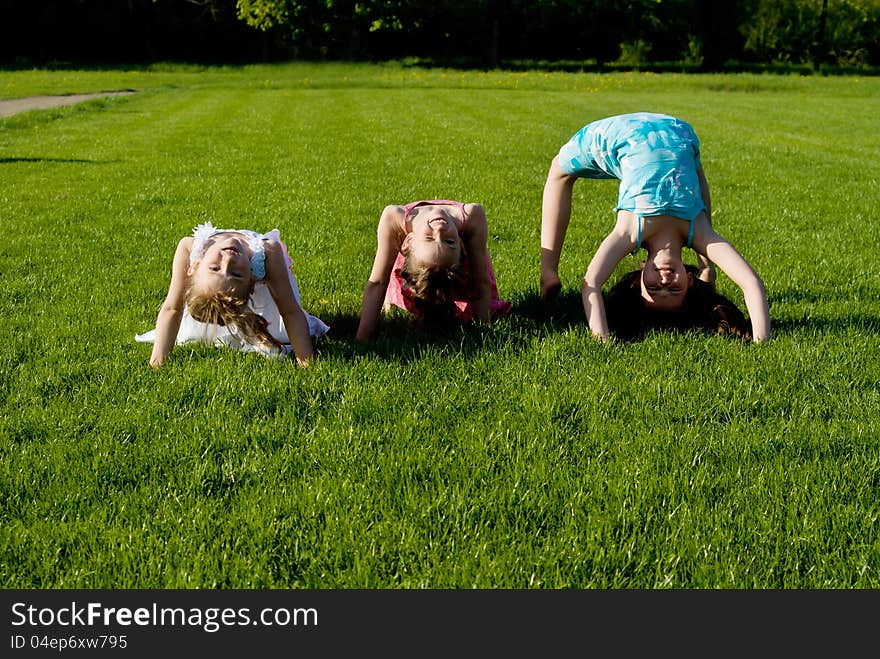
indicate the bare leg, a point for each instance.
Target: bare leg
{"x":555,"y":215}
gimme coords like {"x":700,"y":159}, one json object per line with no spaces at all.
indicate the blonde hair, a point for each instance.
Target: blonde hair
{"x":433,"y":291}
{"x":218,"y":308}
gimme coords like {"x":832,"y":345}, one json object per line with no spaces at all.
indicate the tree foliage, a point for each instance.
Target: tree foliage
{"x":265,"y":14}
{"x":837,"y":31}
{"x":632,"y":32}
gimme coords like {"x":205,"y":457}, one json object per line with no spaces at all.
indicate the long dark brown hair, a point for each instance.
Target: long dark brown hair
{"x":704,"y":309}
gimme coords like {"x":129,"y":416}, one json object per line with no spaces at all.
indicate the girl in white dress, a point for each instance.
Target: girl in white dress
{"x":233,"y":287}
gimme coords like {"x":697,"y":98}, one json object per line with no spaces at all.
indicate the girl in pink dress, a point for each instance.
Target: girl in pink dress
{"x":432,"y":260}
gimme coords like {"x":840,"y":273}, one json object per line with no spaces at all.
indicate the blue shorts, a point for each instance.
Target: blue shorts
{"x":655,"y":157}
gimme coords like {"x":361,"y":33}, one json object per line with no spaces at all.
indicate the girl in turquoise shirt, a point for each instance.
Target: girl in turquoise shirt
{"x":663,"y":205}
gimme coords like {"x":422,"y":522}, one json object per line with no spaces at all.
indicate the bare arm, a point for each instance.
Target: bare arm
{"x":707,"y":272}
{"x":616,"y":245}
{"x":704,"y":192}
{"x":389,"y":238}
{"x":731,"y":262}
{"x":295,"y":323}
{"x":171,"y":312}
{"x":475,"y":244}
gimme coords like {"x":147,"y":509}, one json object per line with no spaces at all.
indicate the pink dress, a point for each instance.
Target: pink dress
{"x":397,"y":294}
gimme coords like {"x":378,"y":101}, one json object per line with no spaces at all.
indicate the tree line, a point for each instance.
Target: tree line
{"x":699,"y":34}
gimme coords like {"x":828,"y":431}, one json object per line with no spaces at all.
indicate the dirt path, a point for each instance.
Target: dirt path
{"x":15,"y":105}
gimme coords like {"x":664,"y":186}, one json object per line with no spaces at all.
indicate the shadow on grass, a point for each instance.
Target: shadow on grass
{"x":399,"y":340}
{"x":566,"y":311}
{"x":67,"y":160}
{"x":867,"y":323}
{"x":819,"y":309}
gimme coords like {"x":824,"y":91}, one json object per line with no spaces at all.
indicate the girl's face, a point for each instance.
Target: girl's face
{"x":225,"y":266}
{"x":435,"y":241}
{"x":665,"y":283}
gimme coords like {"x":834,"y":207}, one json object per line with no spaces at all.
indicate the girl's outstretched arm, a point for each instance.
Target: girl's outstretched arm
{"x":390,"y":236}
{"x":616,"y":245}
{"x":477,"y":250}
{"x":707,"y":271}
{"x":732,"y":263}
{"x":704,"y":193}
{"x":168,"y":320}
{"x":295,"y":323}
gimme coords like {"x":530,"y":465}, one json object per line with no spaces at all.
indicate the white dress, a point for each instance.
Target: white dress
{"x":261,"y":300}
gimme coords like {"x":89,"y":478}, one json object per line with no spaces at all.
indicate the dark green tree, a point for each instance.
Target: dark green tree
{"x":802,"y":31}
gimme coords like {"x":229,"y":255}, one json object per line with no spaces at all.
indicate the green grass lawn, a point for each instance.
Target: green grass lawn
{"x":523,"y":455}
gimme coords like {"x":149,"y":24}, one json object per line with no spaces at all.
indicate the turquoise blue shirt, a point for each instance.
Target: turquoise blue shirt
{"x":654,"y":156}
